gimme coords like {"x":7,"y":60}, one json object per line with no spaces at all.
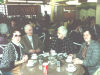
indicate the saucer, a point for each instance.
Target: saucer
{"x":59,"y":54}
{"x":34,"y":56}
{"x":53,"y":54}
{"x":68,"y":60}
{"x":71,"y":69}
{"x":29,"y":65}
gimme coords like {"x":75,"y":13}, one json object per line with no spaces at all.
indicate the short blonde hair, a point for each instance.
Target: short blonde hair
{"x":63,"y":30}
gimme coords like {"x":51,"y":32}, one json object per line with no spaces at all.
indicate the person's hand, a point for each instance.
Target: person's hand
{"x":71,"y":55}
{"x":37,"y":50}
{"x":77,"y":61}
{"x":25,"y":58}
{"x":32,"y":51}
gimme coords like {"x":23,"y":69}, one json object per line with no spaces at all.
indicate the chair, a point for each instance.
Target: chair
{"x":97,"y":72}
{"x":2,"y":46}
{"x":43,"y":37}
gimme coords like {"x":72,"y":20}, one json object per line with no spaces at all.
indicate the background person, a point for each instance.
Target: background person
{"x":3,"y":27}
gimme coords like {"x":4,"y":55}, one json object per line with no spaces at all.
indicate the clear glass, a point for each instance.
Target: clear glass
{"x":40,"y":64}
{"x":58,"y":66}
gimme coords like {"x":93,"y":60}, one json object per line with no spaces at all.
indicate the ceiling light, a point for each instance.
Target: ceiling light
{"x":15,"y":1}
{"x":92,"y":1}
{"x":34,"y":1}
{"x":25,"y":1}
{"x":75,"y":2}
{"x":53,"y":3}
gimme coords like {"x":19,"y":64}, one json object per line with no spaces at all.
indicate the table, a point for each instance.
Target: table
{"x":51,"y":70}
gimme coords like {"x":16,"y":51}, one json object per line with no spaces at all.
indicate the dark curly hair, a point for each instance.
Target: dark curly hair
{"x":91,"y":31}
{"x":14,"y":32}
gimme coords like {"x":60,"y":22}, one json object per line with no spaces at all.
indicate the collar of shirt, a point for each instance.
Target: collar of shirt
{"x":30,"y":38}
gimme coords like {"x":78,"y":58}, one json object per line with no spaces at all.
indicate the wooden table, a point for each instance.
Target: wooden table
{"x":51,"y":70}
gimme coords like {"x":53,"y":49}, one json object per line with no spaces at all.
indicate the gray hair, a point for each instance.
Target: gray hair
{"x":26,"y":26}
{"x":63,"y":30}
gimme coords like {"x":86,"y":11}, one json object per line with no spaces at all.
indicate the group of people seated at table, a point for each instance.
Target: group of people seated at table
{"x":20,"y":47}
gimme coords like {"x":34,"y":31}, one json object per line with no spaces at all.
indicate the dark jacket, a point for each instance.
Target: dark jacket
{"x":27,"y":45}
{"x":62,"y":46}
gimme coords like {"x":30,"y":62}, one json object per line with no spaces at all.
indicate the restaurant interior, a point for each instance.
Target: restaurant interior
{"x":48,"y":15}
{"x":60,"y":12}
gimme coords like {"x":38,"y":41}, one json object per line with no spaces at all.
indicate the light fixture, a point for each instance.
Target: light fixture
{"x":25,"y":1}
{"x":92,"y":1}
{"x":75,"y":2}
{"x":34,"y":1}
{"x":53,"y":3}
{"x":16,"y":1}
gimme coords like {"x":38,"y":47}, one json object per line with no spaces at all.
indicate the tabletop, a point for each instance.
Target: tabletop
{"x":52,"y":70}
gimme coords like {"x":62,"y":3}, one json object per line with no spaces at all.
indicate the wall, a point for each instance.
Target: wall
{"x":98,"y":13}
{"x":87,"y":12}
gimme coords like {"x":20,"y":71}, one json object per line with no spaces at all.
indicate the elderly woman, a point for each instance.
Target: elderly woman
{"x":13,"y":56}
{"x":89,"y":54}
{"x":63,"y":43}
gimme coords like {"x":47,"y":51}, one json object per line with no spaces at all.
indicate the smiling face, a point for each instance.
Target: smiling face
{"x":16,"y":37}
{"x":29,"y":30}
{"x":87,"y":36}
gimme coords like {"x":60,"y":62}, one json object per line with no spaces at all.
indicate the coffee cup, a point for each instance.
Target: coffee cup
{"x":34,"y":56}
{"x":53,"y":52}
{"x":69,"y":59}
{"x":30,"y":63}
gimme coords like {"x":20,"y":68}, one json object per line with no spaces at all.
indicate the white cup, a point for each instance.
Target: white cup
{"x":69,"y":59}
{"x":53,"y":52}
{"x":30,"y":63}
{"x":34,"y":56}
{"x":71,"y":68}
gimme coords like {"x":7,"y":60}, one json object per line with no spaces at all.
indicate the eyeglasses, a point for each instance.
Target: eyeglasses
{"x":17,"y":35}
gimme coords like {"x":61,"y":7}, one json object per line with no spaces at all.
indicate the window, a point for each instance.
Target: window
{"x":3,"y":9}
{"x":45,"y":8}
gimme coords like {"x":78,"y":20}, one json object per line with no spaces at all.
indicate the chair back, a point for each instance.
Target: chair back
{"x":2,"y":46}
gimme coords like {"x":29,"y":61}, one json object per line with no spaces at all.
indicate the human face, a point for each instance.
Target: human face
{"x":60,"y":35}
{"x":13,"y":24}
{"x":87,"y":36}
{"x":16,"y":37}
{"x":29,"y":31}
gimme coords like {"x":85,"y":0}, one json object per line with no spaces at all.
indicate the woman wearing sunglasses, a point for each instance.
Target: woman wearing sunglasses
{"x":13,"y":56}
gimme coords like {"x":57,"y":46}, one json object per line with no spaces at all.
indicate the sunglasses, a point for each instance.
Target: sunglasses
{"x":17,"y":35}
